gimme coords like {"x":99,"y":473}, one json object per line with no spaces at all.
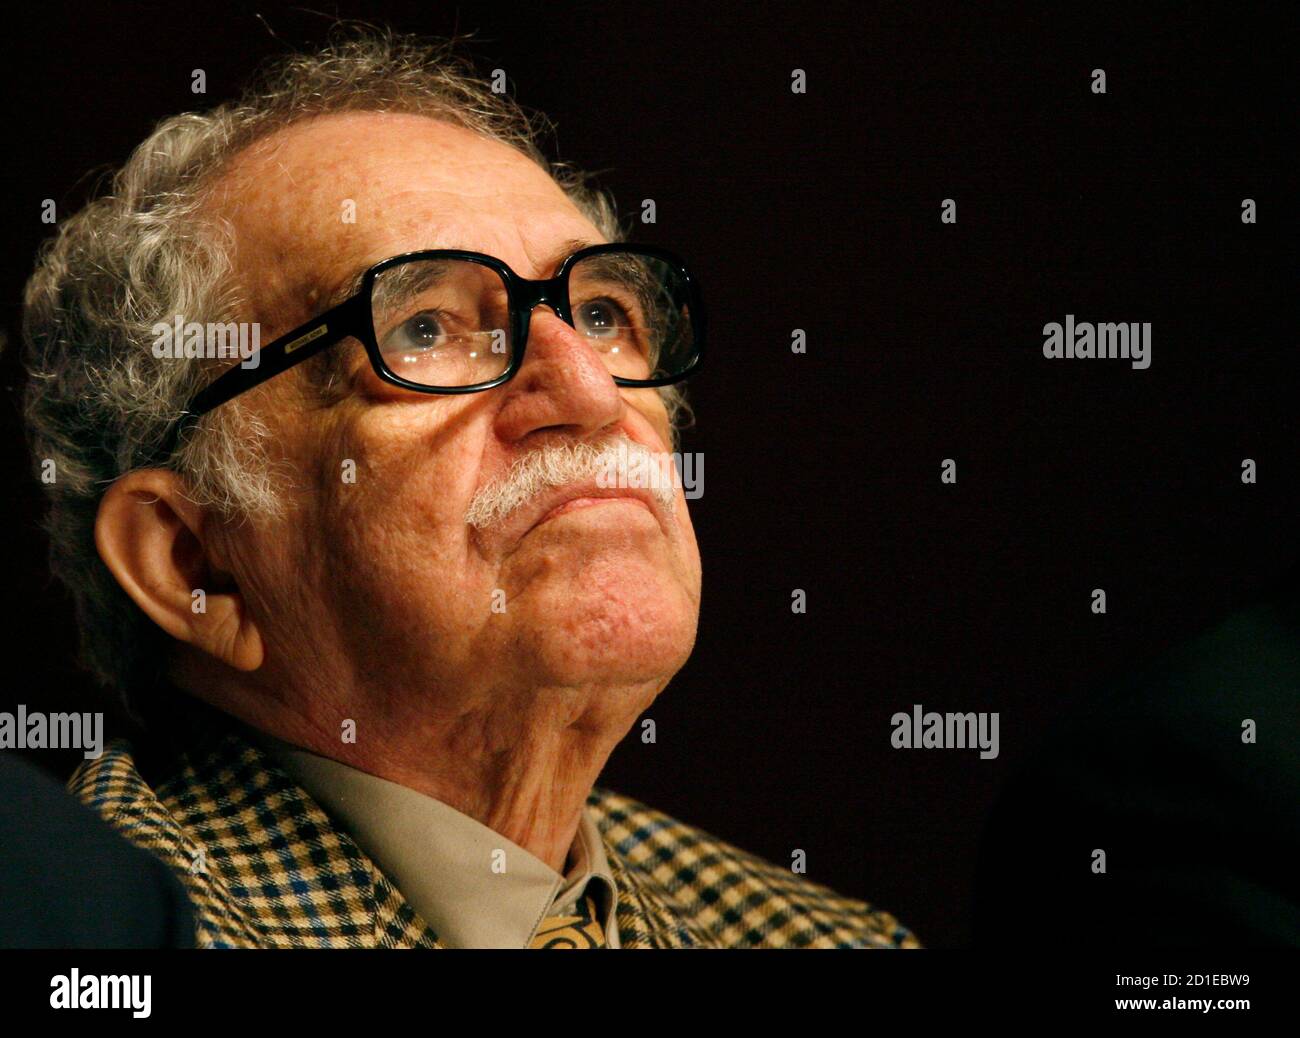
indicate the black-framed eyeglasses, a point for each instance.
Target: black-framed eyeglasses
{"x":451,"y":321}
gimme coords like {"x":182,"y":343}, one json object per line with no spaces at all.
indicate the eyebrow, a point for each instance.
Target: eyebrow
{"x":352,"y":284}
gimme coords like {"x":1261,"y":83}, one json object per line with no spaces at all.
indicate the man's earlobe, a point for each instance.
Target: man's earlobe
{"x":150,"y":537}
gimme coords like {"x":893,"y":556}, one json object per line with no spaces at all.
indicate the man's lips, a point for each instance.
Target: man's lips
{"x":585,"y":502}
{"x":561,"y":500}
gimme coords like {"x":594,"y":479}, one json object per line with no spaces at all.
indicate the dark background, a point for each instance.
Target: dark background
{"x":821,"y":212}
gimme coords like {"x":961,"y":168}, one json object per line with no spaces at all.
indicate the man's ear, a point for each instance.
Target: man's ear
{"x":150,"y":537}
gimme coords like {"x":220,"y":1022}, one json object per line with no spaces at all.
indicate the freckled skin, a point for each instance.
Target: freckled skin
{"x":374,"y":599}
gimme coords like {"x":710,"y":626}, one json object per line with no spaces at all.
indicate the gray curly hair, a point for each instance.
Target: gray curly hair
{"x":99,"y":403}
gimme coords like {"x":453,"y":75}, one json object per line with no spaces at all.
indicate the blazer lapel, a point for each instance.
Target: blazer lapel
{"x":647,"y":917}
{"x":286,"y":868}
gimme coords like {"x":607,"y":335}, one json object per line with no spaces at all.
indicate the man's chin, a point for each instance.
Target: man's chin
{"x":630,"y":632}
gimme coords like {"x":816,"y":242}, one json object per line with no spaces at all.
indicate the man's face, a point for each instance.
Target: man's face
{"x":380,"y":582}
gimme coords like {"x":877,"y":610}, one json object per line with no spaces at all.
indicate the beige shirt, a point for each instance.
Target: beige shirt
{"x":473,"y":886}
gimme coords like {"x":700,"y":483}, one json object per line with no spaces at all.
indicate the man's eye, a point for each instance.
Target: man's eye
{"x":601,"y":318}
{"x":419,"y":332}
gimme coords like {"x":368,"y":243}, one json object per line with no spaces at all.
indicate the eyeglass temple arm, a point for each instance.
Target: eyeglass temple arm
{"x":299,"y":345}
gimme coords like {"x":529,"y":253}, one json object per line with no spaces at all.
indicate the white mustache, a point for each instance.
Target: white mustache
{"x":556,"y":465}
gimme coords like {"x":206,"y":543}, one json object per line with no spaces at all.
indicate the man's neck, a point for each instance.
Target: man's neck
{"x":525,"y":774}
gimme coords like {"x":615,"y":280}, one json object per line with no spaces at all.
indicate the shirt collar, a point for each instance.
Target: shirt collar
{"x":476,"y":888}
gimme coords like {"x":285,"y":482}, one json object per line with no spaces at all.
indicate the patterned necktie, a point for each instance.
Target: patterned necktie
{"x":582,"y":929}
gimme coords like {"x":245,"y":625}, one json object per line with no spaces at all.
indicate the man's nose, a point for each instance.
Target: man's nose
{"x":562,"y":384}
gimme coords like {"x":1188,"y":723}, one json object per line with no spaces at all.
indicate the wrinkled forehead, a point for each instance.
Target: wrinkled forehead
{"x":314,"y":203}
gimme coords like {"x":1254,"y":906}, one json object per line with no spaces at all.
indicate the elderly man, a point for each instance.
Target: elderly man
{"x":381,"y":591}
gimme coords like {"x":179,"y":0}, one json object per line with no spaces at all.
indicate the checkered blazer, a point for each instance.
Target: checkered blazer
{"x":265,"y":867}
